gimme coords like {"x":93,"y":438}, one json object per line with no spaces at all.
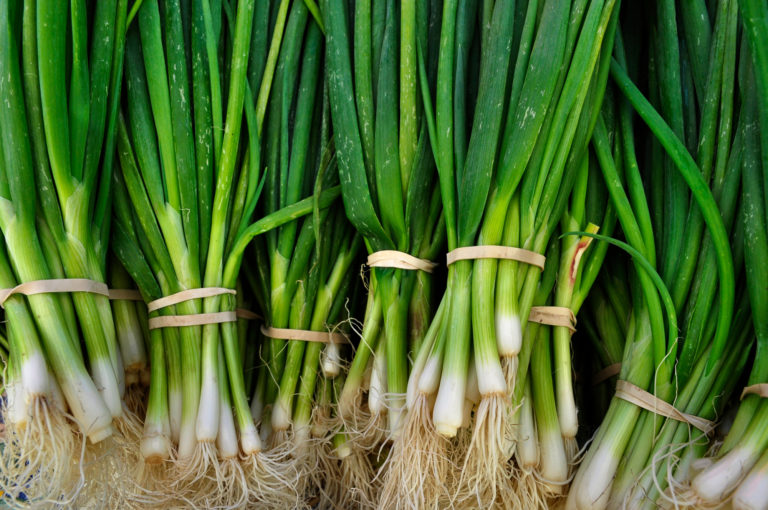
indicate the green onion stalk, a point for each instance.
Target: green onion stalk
{"x":73,"y":136}
{"x":57,"y":145}
{"x":310,"y":259}
{"x":385,"y":169}
{"x":554,"y":89}
{"x":40,"y":442}
{"x":169,"y":145}
{"x":696,"y":374}
{"x":738,"y":471}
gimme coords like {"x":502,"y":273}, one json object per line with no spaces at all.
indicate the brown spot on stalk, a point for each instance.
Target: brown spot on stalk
{"x":584,"y":243}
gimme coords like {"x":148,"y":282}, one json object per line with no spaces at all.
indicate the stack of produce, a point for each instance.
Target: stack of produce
{"x":563,"y":208}
{"x":676,"y":373}
{"x":66,"y":379}
{"x":387,"y":175}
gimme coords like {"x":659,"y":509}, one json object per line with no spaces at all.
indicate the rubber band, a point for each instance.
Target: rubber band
{"x":496,"y":252}
{"x":553,"y":316}
{"x":761,"y":390}
{"x":325,"y":337}
{"x":242,"y":313}
{"x":606,"y":373}
{"x":400,"y":260}
{"x":627,"y":391}
{"x":125,"y":295}
{"x":58,"y":285}
{"x":198,"y":319}
{"x":186,"y":295}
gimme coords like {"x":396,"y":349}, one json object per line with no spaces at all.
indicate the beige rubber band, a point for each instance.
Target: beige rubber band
{"x":125,"y":295}
{"x":761,"y":390}
{"x":496,"y":252}
{"x":627,"y":391}
{"x":198,"y":319}
{"x":606,"y":373}
{"x":324,"y":337}
{"x":242,"y":313}
{"x":400,"y":260}
{"x":55,"y":285}
{"x":553,"y":316}
{"x":186,"y":295}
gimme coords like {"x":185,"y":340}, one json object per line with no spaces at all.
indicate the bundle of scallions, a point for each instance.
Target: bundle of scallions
{"x":60,"y":93}
{"x":387,"y":173}
{"x":641,"y":455}
{"x":540,"y":84}
{"x":190,"y":160}
{"x":736,"y":471}
{"x":304,"y":267}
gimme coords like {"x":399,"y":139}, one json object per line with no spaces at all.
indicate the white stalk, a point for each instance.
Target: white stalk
{"x":17,"y":406}
{"x":597,"y":479}
{"x":103,"y":375}
{"x":715,"y":483}
{"x":331,"y":360}
{"x":250,"y":442}
{"x":226,"y":442}
{"x":412,"y":391}
{"x":752,"y":493}
{"x":554,"y":464}
{"x":155,"y":443}
{"x":447,"y":415}
{"x":281,"y":415}
{"x":35,"y":376}
{"x":301,"y":437}
{"x":378,"y":388}
{"x":490,"y":378}
{"x":187,"y":438}
{"x":396,"y":414}
{"x":567,"y":413}
{"x":527,"y":439}
{"x":207,"y":427}
{"x":429,"y":379}
{"x":87,"y":406}
{"x":509,"y":334}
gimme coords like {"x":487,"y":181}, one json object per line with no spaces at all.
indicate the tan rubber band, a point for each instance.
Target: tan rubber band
{"x":627,"y":391}
{"x":242,"y":313}
{"x":55,"y":285}
{"x":606,"y":373}
{"x":400,"y":260}
{"x":553,"y":316}
{"x":761,"y":390}
{"x":324,"y":337}
{"x":125,"y":295}
{"x":186,"y":295}
{"x":496,"y":252}
{"x":198,"y":319}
